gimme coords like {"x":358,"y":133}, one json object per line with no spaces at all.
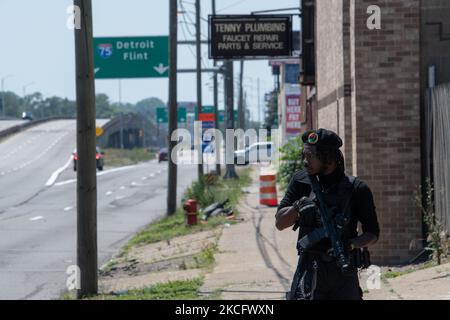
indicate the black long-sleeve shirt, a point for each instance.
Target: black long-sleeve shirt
{"x":362,"y":204}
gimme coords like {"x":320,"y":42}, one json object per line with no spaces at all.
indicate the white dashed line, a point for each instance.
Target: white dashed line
{"x":68,"y":208}
{"x":37,"y":218}
{"x":98,"y":175}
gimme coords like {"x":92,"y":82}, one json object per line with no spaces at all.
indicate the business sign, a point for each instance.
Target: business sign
{"x":293,"y":114}
{"x":131,"y":57}
{"x":249,"y":36}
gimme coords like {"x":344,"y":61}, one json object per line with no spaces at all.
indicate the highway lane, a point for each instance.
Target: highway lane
{"x":28,"y":159}
{"x":38,"y":234}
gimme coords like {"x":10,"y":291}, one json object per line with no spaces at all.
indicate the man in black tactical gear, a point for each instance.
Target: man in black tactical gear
{"x":348,"y":200}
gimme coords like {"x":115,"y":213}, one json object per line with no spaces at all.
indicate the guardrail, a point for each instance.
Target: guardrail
{"x":20,"y":127}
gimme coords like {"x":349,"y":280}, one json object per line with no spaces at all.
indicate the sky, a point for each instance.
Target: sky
{"x":37,"y":49}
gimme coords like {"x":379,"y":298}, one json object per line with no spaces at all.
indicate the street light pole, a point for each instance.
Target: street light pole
{"x":3,"y":94}
{"x":24,"y":88}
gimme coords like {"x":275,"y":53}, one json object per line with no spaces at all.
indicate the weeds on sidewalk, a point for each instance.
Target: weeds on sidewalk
{"x":437,"y":237}
{"x":211,"y":189}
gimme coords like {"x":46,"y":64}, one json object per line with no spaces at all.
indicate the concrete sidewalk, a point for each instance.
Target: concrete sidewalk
{"x":255,"y":260}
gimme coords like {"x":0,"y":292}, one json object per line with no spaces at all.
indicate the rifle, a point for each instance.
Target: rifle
{"x":330,"y":227}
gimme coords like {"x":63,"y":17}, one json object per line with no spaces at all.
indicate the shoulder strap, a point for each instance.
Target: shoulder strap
{"x":352,"y":180}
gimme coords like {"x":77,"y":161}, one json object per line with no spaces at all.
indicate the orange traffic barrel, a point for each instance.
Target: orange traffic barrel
{"x":268,"y":190}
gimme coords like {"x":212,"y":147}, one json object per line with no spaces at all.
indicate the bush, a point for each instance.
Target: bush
{"x":290,"y":161}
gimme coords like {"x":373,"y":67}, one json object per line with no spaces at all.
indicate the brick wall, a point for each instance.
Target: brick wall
{"x":383,"y":111}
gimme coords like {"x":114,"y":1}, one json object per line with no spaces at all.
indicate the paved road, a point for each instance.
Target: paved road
{"x":5,"y":124}
{"x":38,"y":222}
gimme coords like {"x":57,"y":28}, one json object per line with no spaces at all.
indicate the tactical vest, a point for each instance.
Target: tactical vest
{"x":338,"y":201}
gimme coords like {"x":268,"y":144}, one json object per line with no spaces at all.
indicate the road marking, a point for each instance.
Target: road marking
{"x":108,"y":193}
{"x":65,"y":182}
{"x":56,"y":174}
{"x":152,"y":175}
{"x":144,"y":178}
{"x":98,"y":175}
{"x":122,"y":188}
{"x":68,"y":208}
{"x":37,"y":218}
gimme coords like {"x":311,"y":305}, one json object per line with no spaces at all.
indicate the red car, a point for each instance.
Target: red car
{"x":99,"y":156}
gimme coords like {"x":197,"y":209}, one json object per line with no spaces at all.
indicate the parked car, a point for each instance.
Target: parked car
{"x":163,"y":154}
{"x":27,"y":116}
{"x":99,"y":156}
{"x":257,"y":152}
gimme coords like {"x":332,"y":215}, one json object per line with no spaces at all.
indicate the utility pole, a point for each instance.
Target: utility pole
{"x":173,"y":101}
{"x":86,"y":166}
{"x":229,"y":87}
{"x":218,"y":146}
{"x":259,"y":104}
{"x":241,"y":115}
{"x":199,"y":81}
{"x":121,"y":114}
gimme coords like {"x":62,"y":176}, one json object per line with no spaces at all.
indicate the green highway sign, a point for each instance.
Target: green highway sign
{"x":131,"y":57}
{"x":163,"y":117}
{"x":205,"y":109}
{"x":182,"y":115}
{"x":222,"y":116}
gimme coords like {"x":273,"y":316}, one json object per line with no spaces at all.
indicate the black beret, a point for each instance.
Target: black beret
{"x":322,"y":138}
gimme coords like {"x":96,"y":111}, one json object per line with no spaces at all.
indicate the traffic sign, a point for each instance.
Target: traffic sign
{"x":163,"y":117}
{"x":131,"y":57}
{"x":222,"y":116}
{"x":205,"y":109}
{"x":98,"y":131}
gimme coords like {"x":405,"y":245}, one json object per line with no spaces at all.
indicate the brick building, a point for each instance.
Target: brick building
{"x":369,"y":88}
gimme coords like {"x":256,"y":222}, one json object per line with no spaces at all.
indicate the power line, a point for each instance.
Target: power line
{"x":231,"y":5}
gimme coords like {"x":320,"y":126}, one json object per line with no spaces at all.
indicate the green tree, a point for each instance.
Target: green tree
{"x":291,"y":161}
{"x":104,"y":109}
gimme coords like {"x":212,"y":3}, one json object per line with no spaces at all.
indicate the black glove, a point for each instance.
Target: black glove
{"x":308,"y":212}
